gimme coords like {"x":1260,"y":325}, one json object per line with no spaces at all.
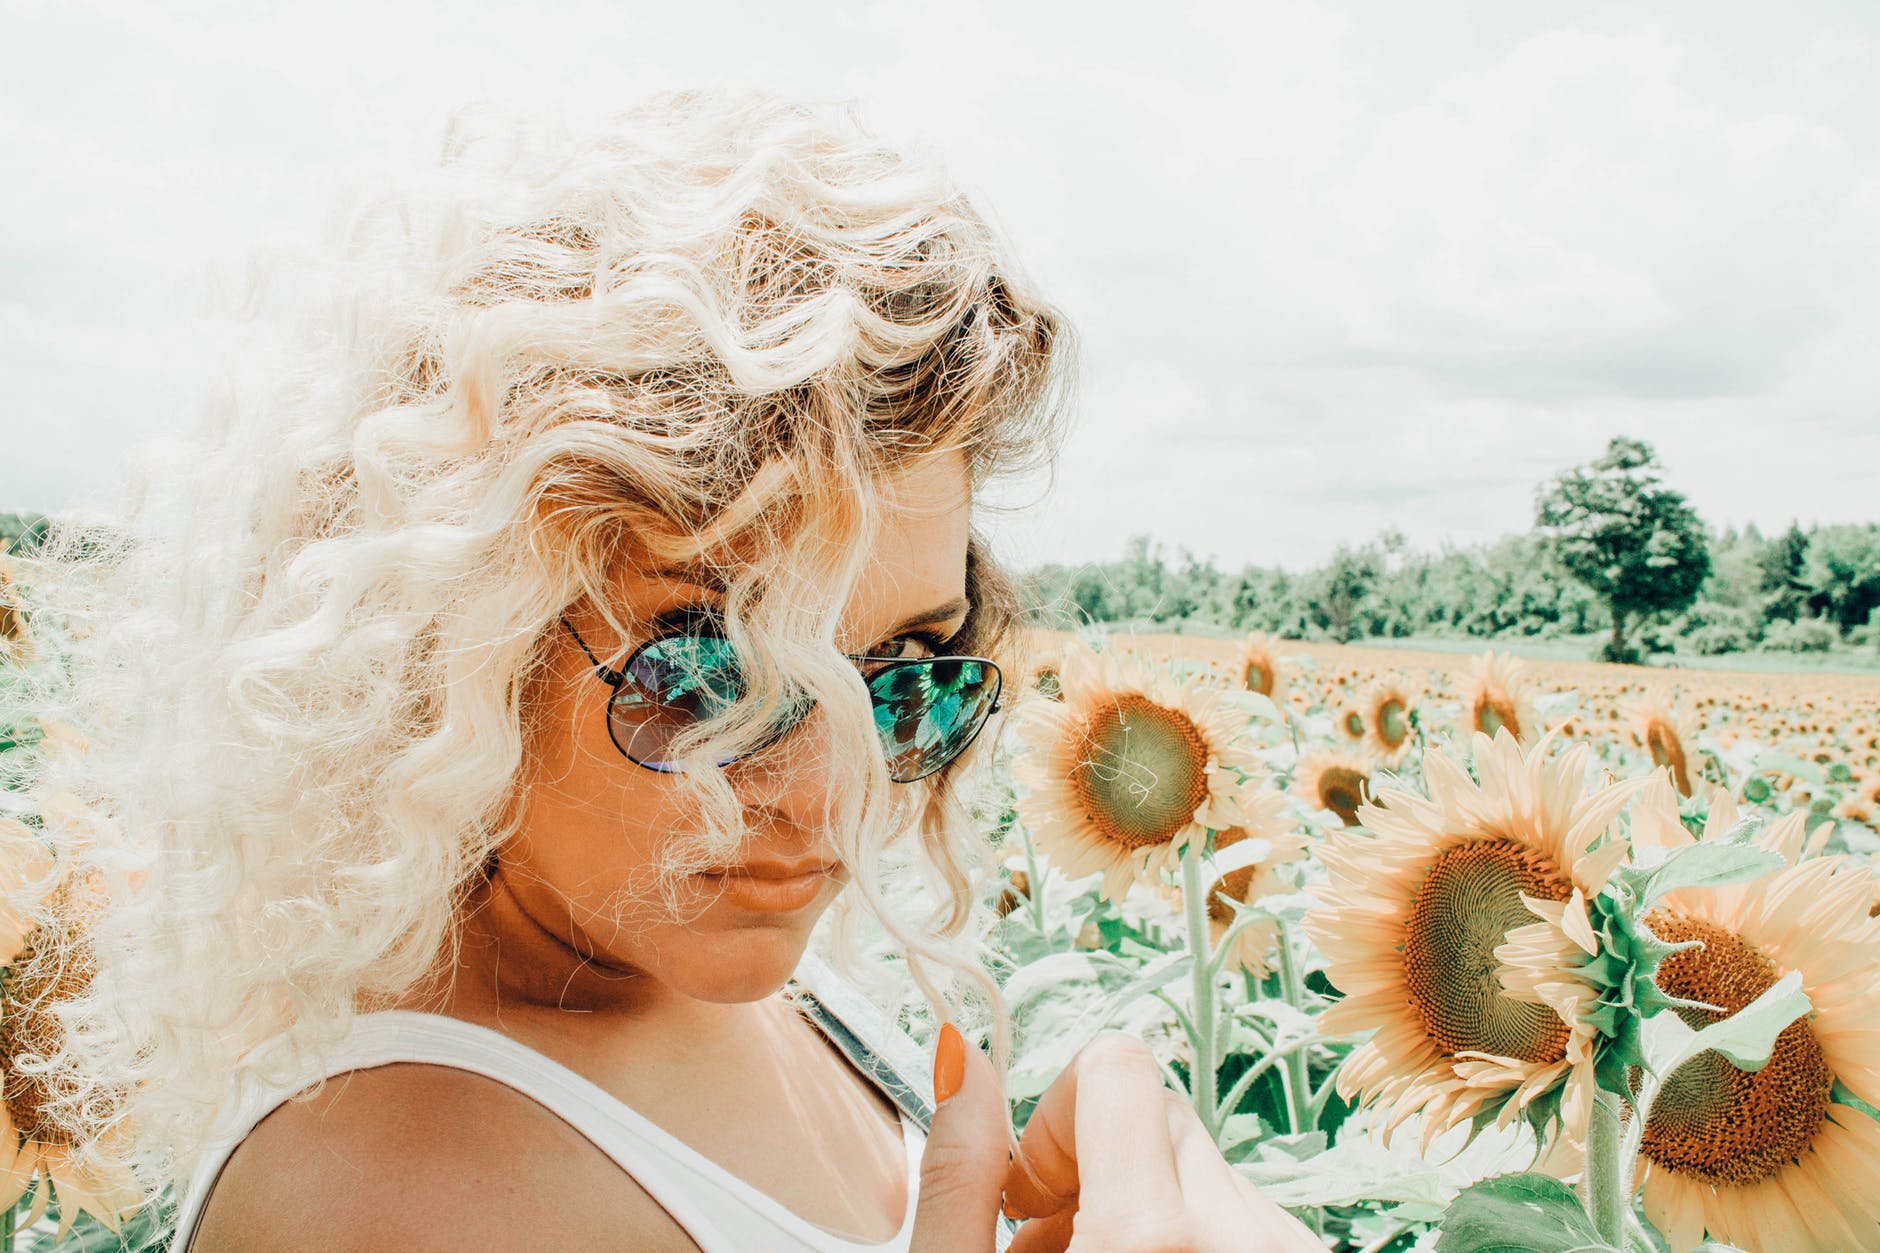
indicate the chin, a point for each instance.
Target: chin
{"x":744,"y":962}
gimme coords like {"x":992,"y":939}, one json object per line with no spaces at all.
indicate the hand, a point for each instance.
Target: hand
{"x":1126,"y":1169}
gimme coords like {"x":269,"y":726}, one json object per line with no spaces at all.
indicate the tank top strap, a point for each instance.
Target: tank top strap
{"x":877,"y":1046}
{"x":867,"y":1036}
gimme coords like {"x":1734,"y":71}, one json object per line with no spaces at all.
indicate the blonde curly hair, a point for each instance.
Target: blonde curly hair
{"x":294,"y":676}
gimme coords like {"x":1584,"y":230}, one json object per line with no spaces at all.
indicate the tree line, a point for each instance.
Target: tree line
{"x":1613,"y":552}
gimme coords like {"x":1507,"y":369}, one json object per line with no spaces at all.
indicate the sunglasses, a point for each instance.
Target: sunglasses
{"x":926,"y":709}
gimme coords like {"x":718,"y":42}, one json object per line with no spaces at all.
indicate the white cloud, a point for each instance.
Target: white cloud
{"x":1336,"y":267}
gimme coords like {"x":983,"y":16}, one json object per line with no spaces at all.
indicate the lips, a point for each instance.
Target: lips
{"x":776,"y":869}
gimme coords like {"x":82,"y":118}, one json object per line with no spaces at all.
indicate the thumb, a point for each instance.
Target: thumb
{"x":962,"y":1168}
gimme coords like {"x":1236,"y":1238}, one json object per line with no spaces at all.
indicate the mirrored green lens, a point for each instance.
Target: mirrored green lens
{"x":928,"y":711}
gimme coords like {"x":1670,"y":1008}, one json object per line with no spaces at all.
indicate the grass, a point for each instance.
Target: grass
{"x":1840,"y":660}
{"x":1843,"y":659}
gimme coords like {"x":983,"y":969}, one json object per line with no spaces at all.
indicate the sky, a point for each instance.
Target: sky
{"x":1335,"y":267}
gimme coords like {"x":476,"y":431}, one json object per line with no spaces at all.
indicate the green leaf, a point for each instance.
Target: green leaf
{"x":1058,"y":1019}
{"x":1788,"y":763}
{"x":1241,"y":1135}
{"x":1841,"y":1094}
{"x":1726,"y":859}
{"x":1527,"y":1213}
{"x":1746,"y":1037}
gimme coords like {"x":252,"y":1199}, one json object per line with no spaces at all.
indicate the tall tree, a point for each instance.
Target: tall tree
{"x":1781,"y":566}
{"x":1842,"y":573}
{"x":1637,"y":544}
{"x":1339,"y":591}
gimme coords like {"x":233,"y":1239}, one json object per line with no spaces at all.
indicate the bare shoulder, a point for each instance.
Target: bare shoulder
{"x":406,"y":1156}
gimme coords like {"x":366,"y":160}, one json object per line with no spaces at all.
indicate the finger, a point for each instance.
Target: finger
{"x":1215,"y":1204}
{"x":1125,"y":1158}
{"x":1045,"y":1235}
{"x":1099,"y":1135}
{"x":962,"y":1164}
{"x":1227,"y":1210}
{"x":1031,"y":1192}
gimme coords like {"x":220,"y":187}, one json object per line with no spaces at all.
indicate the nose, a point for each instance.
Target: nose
{"x":796,"y":779}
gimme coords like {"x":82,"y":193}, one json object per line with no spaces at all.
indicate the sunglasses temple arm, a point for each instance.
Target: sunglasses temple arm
{"x":610,"y":676}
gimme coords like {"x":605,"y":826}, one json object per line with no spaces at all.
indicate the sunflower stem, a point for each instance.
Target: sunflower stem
{"x":1606,"y":1196}
{"x":1251,"y":1075}
{"x":1203,"y":1024}
{"x":1298,"y":1083}
{"x":6,"y":1227}
{"x":1320,"y":1095}
{"x":1034,"y":885}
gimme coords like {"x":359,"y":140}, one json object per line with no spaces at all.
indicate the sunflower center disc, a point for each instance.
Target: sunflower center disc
{"x":26,"y":1026}
{"x":1392,"y":724}
{"x":1467,"y":904}
{"x":1142,"y":771}
{"x":1049,"y":685}
{"x":1713,"y":1122}
{"x":1341,"y":790}
{"x":1493,"y":712}
{"x":1259,"y":677}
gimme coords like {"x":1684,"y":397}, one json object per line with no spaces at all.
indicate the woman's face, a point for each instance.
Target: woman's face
{"x":592,"y":822}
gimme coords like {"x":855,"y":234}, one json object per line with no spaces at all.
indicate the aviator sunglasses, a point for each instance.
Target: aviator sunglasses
{"x":926,"y":709}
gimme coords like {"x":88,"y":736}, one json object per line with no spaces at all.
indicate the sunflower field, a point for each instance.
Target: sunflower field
{"x":1465,"y":953}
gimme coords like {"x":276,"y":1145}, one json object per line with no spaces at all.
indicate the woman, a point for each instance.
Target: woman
{"x":485,"y":720}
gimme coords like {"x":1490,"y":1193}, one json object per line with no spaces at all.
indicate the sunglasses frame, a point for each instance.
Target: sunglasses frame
{"x":615,"y":679}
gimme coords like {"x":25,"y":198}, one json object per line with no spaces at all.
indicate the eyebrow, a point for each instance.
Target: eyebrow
{"x":939,"y":613}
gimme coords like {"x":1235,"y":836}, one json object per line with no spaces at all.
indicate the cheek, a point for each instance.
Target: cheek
{"x":591,"y":822}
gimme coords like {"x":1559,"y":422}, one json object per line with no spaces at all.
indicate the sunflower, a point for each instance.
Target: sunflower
{"x":1658,"y":730}
{"x":10,"y":621}
{"x":1046,"y":682}
{"x":1350,"y":724}
{"x":1498,"y":695}
{"x":1386,"y":703}
{"x":1777,"y":1158}
{"x":1257,"y":669}
{"x":50,"y":962}
{"x":1862,"y":804}
{"x":1334,"y":781}
{"x":1018,"y":888}
{"x":1411,"y":916}
{"x":1129,"y":766}
{"x":1285,"y":843}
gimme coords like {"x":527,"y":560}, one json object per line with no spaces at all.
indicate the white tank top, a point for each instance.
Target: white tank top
{"x":719,"y":1211}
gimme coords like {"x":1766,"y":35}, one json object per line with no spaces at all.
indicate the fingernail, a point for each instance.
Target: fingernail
{"x":949,"y":1063}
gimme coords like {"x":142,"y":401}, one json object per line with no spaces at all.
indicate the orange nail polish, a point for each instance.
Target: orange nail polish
{"x":949,"y":1063}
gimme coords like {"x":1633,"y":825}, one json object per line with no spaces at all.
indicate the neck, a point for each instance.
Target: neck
{"x":513,"y":963}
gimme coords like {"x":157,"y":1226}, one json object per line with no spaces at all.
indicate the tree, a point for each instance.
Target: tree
{"x":22,"y":531}
{"x":1637,"y":544}
{"x":1339,"y":591}
{"x":1841,"y":572}
{"x":1780,"y":566}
